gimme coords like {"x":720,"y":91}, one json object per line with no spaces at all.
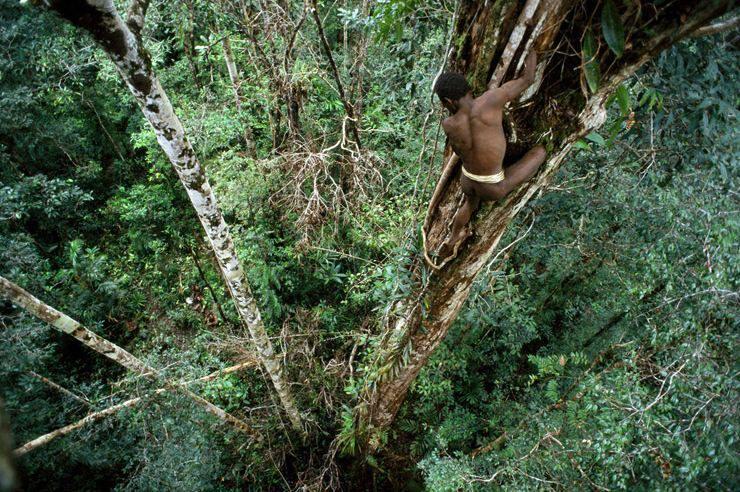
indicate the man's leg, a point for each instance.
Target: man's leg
{"x":459,"y":222}
{"x":523,"y":169}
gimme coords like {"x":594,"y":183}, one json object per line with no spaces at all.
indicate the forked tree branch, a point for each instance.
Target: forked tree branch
{"x":64,"y":323}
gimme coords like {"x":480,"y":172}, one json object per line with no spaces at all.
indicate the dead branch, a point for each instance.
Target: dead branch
{"x":717,"y":27}
{"x":65,"y":324}
{"x":60,"y":388}
{"x":99,"y":415}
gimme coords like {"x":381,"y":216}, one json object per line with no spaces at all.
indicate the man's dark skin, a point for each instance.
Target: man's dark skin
{"x":476,"y":134}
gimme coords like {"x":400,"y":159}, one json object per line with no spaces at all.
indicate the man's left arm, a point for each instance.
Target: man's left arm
{"x":512,"y":89}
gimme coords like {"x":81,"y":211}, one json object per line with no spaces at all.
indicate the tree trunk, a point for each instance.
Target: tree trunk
{"x":494,"y":38}
{"x":233,"y":72}
{"x":122,"y":42}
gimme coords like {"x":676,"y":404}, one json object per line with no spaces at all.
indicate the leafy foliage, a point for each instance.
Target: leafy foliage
{"x":599,"y":355}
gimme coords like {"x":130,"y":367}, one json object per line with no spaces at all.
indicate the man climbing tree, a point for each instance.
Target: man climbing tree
{"x":476,"y":134}
{"x":565,"y":103}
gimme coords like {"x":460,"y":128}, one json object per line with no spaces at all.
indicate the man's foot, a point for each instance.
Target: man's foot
{"x":449,"y":248}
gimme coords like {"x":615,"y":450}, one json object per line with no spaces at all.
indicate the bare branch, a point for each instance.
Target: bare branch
{"x":717,"y":27}
{"x":335,"y":72}
{"x":95,"y":416}
{"x":64,"y":323}
{"x":59,"y":388}
{"x":63,"y":431}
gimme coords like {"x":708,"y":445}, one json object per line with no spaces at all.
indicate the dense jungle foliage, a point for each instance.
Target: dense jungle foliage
{"x":597,"y":351}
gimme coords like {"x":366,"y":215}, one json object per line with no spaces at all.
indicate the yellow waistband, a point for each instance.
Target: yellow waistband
{"x":493,"y":178}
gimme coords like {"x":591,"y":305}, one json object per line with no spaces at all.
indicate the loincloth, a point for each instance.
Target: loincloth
{"x":492,"y":179}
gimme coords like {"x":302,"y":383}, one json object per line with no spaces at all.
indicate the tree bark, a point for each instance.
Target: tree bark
{"x":65,"y":324}
{"x":122,"y":43}
{"x":490,"y":36}
{"x":235,"y":85}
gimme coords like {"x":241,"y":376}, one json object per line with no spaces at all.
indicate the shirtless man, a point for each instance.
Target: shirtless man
{"x":476,"y":134}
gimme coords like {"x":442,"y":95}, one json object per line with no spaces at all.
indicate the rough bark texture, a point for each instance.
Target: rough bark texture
{"x":123,"y":45}
{"x":64,"y":323}
{"x":556,"y":116}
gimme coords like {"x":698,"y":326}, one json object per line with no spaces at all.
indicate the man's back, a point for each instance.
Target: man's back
{"x":477,"y":135}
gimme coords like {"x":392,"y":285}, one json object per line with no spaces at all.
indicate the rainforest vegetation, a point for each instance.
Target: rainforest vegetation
{"x":218,"y":262}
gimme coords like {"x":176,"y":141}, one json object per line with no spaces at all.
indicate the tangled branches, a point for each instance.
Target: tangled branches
{"x":327,"y":185}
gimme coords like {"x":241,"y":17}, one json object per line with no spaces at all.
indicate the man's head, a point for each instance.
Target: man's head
{"x":451,"y":87}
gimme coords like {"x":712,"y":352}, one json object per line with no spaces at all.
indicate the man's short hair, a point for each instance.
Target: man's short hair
{"x":451,"y":85}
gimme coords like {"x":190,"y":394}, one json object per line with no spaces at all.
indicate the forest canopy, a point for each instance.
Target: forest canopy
{"x":220,"y":226}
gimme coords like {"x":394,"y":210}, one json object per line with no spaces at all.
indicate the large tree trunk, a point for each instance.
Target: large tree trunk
{"x":122,"y":42}
{"x":493,"y":38}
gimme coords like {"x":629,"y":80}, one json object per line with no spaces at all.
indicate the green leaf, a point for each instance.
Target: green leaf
{"x":611,"y":26}
{"x":623,"y":99}
{"x":581,"y":144}
{"x":596,"y":138}
{"x":590,"y":62}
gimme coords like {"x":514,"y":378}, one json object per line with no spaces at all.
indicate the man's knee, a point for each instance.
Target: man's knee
{"x":539,"y":153}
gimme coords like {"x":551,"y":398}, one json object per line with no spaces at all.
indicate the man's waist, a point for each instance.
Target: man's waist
{"x":484,"y":178}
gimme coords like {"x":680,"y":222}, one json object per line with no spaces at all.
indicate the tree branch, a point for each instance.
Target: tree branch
{"x":348,"y":108}
{"x":717,"y":27}
{"x":64,"y":323}
{"x":101,"y":19}
{"x":95,"y":416}
{"x":60,"y":388}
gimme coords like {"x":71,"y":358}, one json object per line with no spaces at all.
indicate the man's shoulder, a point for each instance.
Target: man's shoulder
{"x":491,"y":96}
{"x":449,"y":123}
